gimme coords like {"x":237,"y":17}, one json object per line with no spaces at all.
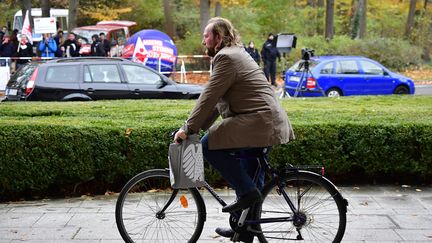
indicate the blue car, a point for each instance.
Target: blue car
{"x":334,"y":76}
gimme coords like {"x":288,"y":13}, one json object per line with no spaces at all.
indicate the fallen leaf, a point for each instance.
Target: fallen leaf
{"x":108,"y":193}
{"x":128,"y":132}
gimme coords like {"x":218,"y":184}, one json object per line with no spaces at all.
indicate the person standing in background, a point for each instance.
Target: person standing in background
{"x":47,"y":46}
{"x":71,"y":47}
{"x":269,"y":53}
{"x":1,"y":39}
{"x":25,"y":50}
{"x":105,"y":43}
{"x":7,"y":49}
{"x":5,"y":30}
{"x":59,"y":42}
{"x":97,"y":48}
{"x":253,"y":52}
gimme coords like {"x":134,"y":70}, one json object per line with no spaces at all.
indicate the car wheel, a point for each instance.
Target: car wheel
{"x":401,"y":90}
{"x":334,"y":92}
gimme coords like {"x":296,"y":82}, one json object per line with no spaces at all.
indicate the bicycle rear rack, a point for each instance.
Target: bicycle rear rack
{"x":293,"y":168}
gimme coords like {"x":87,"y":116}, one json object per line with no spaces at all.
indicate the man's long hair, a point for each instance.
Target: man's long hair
{"x":223,"y":28}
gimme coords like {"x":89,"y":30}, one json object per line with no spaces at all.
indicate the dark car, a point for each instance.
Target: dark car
{"x":345,"y":75}
{"x":94,"y":78}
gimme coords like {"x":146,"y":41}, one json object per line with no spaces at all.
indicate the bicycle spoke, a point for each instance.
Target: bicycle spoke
{"x":317,"y":212}
{"x":139,"y":216}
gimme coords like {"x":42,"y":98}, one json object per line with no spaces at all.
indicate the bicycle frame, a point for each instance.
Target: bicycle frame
{"x":274,"y":176}
{"x":214,"y":194}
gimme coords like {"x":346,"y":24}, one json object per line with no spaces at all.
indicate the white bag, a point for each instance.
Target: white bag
{"x":186,"y":163}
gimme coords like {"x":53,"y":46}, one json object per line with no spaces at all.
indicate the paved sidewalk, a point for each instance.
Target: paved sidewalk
{"x":375,"y":214}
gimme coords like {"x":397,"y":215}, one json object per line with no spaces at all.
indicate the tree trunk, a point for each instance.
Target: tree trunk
{"x":73,"y":10}
{"x":410,"y":19}
{"x":169,"y":23}
{"x":329,"y":30}
{"x":26,"y":5}
{"x":427,"y":48}
{"x":45,"y":6}
{"x":320,"y":15}
{"x":218,"y":9}
{"x":204,"y":14}
{"x":354,"y":19}
{"x":426,"y":53}
{"x":362,"y":9}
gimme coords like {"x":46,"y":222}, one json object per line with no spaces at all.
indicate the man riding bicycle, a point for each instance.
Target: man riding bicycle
{"x":252,"y":118}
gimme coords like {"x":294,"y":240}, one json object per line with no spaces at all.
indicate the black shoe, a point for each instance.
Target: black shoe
{"x":225,"y":232}
{"x":244,"y":237}
{"x":244,"y":202}
{"x":229,"y":233}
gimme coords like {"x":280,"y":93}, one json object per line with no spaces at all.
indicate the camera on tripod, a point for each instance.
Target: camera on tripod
{"x":307,"y":54}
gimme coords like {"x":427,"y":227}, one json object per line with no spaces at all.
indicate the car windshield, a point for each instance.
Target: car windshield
{"x":299,"y":65}
{"x":21,"y":77}
{"x":86,"y":35}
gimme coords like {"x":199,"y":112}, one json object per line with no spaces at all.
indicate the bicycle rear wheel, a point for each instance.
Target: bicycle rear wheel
{"x":148,"y":209}
{"x":321,"y":213}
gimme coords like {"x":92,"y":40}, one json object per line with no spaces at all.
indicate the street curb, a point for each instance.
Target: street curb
{"x":423,"y":83}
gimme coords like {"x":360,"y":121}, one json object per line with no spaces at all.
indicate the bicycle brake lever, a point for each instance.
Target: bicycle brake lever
{"x":172,"y":134}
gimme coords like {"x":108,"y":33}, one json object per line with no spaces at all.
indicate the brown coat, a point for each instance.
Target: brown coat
{"x":239,"y":92}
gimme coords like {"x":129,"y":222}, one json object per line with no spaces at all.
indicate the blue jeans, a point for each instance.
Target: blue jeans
{"x":236,"y":166}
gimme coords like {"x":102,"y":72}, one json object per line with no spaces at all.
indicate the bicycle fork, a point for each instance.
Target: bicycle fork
{"x":161,"y":213}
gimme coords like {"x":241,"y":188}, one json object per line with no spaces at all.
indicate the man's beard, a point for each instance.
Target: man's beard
{"x":211,"y":52}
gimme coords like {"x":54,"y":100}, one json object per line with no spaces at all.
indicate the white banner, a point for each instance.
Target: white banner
{"x":45,"y":25}
{"x":26,"y":30}
{"x":4,"y":76}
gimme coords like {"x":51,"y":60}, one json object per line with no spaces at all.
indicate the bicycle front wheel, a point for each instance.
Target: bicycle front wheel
{"x":148,"y":209}
{"x":320,"y":214}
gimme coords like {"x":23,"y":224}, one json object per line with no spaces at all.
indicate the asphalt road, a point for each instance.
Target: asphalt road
{"x":423,"y":89}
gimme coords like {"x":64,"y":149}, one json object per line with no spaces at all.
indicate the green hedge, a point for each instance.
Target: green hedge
{"x":64,"y":147}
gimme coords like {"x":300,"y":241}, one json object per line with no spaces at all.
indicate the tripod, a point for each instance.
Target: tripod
{"x":284,"y":92}
{"x":306,"y":77}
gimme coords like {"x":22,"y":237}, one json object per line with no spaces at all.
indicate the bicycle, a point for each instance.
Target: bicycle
{"x":298,"y":204}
